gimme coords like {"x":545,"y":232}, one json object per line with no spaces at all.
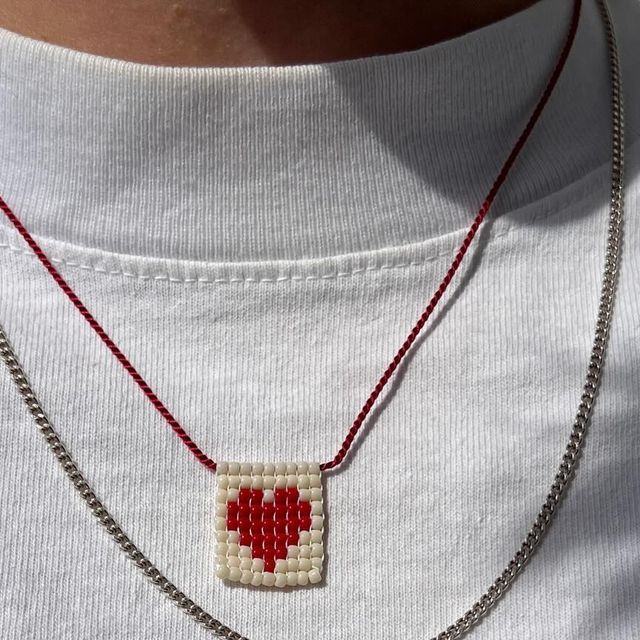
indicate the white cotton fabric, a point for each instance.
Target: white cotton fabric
{"x":259,"y":241}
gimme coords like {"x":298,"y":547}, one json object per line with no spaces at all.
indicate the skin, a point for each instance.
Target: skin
{"x":234,"y":33}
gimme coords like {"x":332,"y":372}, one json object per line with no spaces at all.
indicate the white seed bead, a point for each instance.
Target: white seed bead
{"x":304,"y":551}
{"x":233,"y":561}
{"x":235,"y":574}
{"x":221,"y":496}
{"x":316,"y":523}
{"x":269,"y":469}
{"x":256,"y":579}
{"x":292,"y":578}
{"x":281,"y":566}
{"x":316,"y":536}
{"x":292,"y":468}
{"x":244,"y":551}
{"x":257,"y":468}
{"x":245,"y":482}
{"x":281,"y":580}
{"x":245,"y":577}
{"x":222,"y":548}
{"x":268,"y":579}
{"x":245,"y":469}
{"x":292,"y":481}
{"x":268,"y":482}
{"x":314,"y":481}
{"x":257,"y":482}
{"x":316,"y":563}
{"x":221,"y":524}
{"x":316,"y":493}
{"x":233,"y":536}
{"x":222,"y":536}
{"x":316,"y":508}
{"x":281,"y":468}
{"x":234,"y":468}
{"x":303,"y":578}
{"x":305,"y":537}
{"x":304,"y":564}
{"x":305,"y":495}
{"x":232,"y":494}
{"x":293,"y":551}
{"x":257,"y":564}
{"x":221,"y":510}
{"x":281,"y":482}
{"x":223,"y":482}
{"x":303,"y":482}
{"x":223,"y":572}
{"x":292,"y":564}
{"x":222,"y":468}
{"x":314,"y":468}
{"x":221,"y":559}
{"x":268,"y":496}
{"x":234,"y":482}
{"x":245,"y":564}
{"x":303,"y":467}
{"x":317,"y":551}
{"x":233,"y":549}
{"x":314,"y":576}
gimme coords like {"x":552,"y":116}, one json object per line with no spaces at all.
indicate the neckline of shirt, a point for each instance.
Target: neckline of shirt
{"x":296,"y":162}
{"x":587,"y":196}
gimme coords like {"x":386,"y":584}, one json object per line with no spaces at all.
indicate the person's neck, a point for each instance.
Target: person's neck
{"x":233,"y":33}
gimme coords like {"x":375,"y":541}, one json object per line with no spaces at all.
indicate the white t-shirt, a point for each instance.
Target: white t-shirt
{"x":259,"y":241}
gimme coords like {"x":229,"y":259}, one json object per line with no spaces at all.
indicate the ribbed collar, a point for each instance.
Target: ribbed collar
{"x":256,"y":164}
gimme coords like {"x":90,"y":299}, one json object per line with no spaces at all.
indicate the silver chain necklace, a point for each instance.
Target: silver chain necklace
{"x":561,"y":480}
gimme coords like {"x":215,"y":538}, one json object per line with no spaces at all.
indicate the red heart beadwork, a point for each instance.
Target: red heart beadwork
{"x":268,"y":528}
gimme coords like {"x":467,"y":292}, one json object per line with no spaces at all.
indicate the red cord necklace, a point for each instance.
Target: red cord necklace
{"x":269,"y":517}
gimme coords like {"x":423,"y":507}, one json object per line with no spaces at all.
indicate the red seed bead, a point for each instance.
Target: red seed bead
{"x":256,"y":496}
{"x":281,"y":539}
{"x":269,"y":563}
{"x":304,"y":509}
{"x":232,"y":508}
{"x":305,"y":523}
{"x":280,"y":496}
{"x":245,"y":539}
{"x":244,"y":496}
{"x":258,"y":539}
{"x":293,"y":525}
{"x":232,"y":524}
{"x":292,"y":495}
{"x":293,"y":538}
{"x":244,"y":524}
{"x":269,"y":538}
{"x":244,"y":510}
{"x":268,"y":511}
{"x":281,"y":526}
{"x":256,"y":511}
{"x":269,"y":529}
{"x":256,"y":528}
{"x":281,"y":510}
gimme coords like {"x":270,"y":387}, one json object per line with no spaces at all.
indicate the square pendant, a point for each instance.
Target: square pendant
{"x":269,"y":523}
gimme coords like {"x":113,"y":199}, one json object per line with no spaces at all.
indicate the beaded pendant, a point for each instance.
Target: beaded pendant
{"x":269,"y":523}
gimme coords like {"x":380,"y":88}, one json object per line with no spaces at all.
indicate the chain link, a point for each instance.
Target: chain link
{"x":97,"y":508}
{"x":562,"y":478}
{"x":574,"y":447}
